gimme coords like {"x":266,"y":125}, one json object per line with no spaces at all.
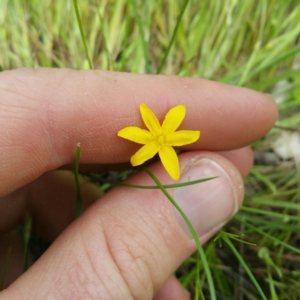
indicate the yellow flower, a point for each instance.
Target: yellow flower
{"x":160,"y":138}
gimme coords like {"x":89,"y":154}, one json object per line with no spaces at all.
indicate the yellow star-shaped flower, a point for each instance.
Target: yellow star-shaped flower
{"x":160,"y":138}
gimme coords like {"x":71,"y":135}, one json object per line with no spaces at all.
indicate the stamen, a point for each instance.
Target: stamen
{"x":161,"y":140}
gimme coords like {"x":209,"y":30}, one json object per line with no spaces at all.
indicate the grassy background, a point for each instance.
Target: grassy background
{"x":249,"y":43}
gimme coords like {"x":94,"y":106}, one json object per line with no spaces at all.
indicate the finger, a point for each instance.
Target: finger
{"x":172,"y":290}
{"x":51,"y":198}
{"x":131,"y":241}
{"x":242,"y":158}
{"x":52,"y":110}
{"x":51,"y":201}
{"x":58,"y":191}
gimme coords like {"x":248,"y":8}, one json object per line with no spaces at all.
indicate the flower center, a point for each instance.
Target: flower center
{"x":161,"y":140}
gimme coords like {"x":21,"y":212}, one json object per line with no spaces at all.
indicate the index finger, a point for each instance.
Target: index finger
{"x":45,"y":113}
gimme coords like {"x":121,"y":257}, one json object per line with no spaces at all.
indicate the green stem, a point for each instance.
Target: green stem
{"x":6,"y":262}
{"x":78,"y":209}
{"x":193,"y":232}
{"x":27,"y":234}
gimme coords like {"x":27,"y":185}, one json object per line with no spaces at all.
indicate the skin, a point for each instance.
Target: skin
{"x":117,"y":248}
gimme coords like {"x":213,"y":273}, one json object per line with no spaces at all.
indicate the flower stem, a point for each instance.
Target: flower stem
{"x":193,"y":232}
{"x":78,"y":209}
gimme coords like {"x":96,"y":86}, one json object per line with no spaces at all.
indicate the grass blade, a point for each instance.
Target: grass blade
{"x":243,"y":263}
{"x":104,"y":35}
{"x":197,"y":279}
{"x":82,"y":34}
{"x":264,"y":180}
{"x":142,"y":36}
{"x":267,"y":235}
{"x":173,"y":37}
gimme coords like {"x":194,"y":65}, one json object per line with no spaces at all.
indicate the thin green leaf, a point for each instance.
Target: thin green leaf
{"x":148,"y":187}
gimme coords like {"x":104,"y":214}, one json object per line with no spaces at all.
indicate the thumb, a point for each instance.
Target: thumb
{"x":127,"y":244}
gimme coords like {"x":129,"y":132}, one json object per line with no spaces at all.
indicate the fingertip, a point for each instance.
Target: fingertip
{"x":267,"y":110}
{"x":242,"y":159}
{"x":172,"y":290}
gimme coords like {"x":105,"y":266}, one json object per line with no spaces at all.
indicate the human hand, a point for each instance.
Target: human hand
{"x":127,"y":244}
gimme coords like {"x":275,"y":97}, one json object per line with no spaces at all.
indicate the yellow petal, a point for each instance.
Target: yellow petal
{"x":150,"y":120}
{"x":169,"y":160}
{"x":136,"y":134}
{"x":145,"y":153}
{"x":182,"y":137}
{"x":173,"y":119}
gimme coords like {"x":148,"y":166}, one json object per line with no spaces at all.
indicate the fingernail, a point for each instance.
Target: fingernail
{"x":208,"y":205}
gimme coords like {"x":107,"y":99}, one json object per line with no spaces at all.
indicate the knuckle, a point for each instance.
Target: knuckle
{"x":132,"y":259}
{"x":142,"y":249}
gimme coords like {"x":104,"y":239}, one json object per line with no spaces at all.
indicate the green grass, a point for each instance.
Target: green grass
{"x":249,"y":43}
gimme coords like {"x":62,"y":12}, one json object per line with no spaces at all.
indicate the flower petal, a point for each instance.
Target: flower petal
{"x":169,"y":160}
{"x":182,"y":137}
{"x":136,"y":134}
{"x":173,"y":119}
{"x":150,"y":120}
{"x":145,"y":153}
